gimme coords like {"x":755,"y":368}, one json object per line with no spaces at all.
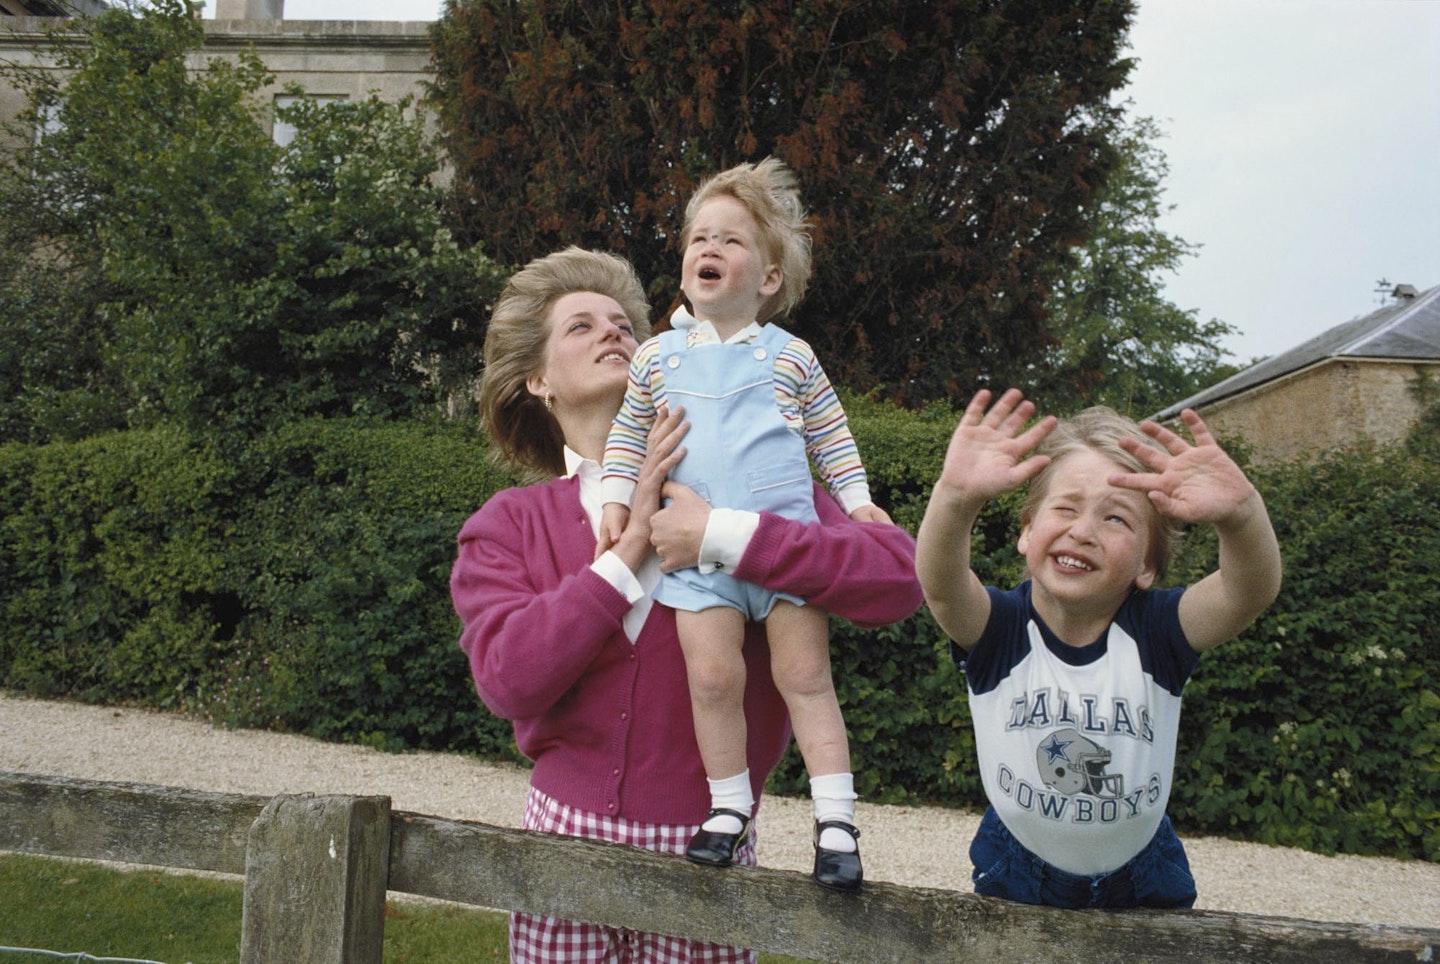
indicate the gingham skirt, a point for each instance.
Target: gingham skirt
{"x":550,"y":940}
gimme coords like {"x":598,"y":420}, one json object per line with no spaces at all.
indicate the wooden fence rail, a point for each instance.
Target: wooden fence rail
{"x":317,"y":869}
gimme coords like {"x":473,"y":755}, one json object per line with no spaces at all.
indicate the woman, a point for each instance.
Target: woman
{"x":567,"y":645}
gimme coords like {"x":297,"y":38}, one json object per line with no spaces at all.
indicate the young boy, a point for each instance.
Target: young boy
{"x":757,"y":401}
{"x":1075,"y":676}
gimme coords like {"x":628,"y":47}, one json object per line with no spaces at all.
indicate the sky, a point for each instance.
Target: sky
{"x":1303,"y":144}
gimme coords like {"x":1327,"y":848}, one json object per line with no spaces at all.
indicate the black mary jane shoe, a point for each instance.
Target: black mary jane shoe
{"x":837,"y":869}
{"x":714,"y":848}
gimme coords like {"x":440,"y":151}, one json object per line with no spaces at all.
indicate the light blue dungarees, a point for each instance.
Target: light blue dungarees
{"x":740,"y":454}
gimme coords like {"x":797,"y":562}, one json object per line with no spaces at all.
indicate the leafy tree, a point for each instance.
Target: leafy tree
{"x":218,"y":279}
{"x":53,"y":384}
{"x":358,"y":300}
{"x":59,"y":197}
{"x":948,"y":152}
{"x":1120,"y":341}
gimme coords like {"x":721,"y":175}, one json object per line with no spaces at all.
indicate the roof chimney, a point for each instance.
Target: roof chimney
{"x":250,"y":10}
{"x":1405,"y":293}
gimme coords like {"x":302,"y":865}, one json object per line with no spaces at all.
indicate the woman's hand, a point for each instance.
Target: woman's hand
{"x":677,"y":530}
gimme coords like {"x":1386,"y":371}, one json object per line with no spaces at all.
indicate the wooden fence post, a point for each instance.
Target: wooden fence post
{"x":316,"y":869}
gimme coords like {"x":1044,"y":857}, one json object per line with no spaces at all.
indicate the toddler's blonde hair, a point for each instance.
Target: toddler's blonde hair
{"x":770,"y":191}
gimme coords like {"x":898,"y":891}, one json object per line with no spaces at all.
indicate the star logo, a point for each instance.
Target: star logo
{"x":1055,"y":749}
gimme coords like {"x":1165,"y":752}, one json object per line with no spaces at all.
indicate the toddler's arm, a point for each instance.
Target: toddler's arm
{"x":627,"y":442}
{"x":662,"y":453}
{"x":986,"y":457}
{"x":613,"y":518}
{"x":1199,"y":484}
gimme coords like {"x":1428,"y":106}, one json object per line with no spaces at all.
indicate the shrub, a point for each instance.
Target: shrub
{"x":1320,"y":726}
{"x":348,"y":544}
{"x":112,"y":552}
{"x":304,"y":586}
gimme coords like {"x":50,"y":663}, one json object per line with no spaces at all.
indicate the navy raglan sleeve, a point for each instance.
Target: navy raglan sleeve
{"x":1004,"y":642}
{"x":1153,"y":619}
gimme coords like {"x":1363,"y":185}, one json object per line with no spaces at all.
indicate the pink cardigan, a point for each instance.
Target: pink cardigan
{"x":607,"y":722}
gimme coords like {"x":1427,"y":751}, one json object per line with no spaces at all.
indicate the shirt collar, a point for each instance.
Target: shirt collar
{"x":703,"y":332}
{"x":577,"y":464}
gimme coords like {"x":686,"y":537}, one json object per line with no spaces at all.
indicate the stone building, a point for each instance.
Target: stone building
{"x":50,"y":8}
{"x":327,"y":59}
{"x":1360,"y":381}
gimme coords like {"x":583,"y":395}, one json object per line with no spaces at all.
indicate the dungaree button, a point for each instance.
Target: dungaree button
{"x":759,"y":354}
{"x":673,"y":361}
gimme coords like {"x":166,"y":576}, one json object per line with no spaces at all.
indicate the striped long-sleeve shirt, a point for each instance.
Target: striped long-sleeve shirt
{"x":803,"y":394}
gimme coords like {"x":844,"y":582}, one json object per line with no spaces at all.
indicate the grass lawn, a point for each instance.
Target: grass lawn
{"x":143,"y":914}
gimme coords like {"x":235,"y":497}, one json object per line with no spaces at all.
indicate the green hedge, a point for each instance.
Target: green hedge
{"x":110,"y":550}
{"x":1320,"y":727}
{"x":346,"y":548}
{"x":304,"y":587}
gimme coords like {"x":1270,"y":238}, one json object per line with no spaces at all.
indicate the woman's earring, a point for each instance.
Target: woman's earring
{"x":550,"y":403}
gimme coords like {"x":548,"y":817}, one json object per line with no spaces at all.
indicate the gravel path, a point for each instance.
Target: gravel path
{"x":907,"y":845}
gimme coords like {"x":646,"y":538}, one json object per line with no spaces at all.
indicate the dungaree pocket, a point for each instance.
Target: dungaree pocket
{"x":783,"y":488}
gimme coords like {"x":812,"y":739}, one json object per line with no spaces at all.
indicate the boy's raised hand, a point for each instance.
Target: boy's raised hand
{"x":1196,"y":483}
{"x":987,"y":454}
{"x":1201,"y":484}
{"x":986,"y":457}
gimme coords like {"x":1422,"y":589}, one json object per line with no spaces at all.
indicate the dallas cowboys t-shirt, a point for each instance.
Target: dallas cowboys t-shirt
{"x":1076,"y":745}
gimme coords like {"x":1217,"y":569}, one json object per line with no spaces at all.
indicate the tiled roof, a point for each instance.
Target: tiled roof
{"x":1409,"y":329}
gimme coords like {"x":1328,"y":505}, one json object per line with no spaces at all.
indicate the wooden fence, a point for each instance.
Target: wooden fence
{"x":317,"y":869}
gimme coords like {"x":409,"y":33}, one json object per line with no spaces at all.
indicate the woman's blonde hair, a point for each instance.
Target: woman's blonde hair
{"x":1101,"y":429}
{"x":523,"y":434}
{"x":770,"y":191}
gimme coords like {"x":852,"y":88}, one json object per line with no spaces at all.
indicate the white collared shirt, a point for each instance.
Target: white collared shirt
{"x":704,"y":333}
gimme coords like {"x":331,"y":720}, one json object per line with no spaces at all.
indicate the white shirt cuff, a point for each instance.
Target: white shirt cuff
{"x":616,"y":573}
{"x":852,"y":497}
{"x":727,"y":536}
{"x":617,"y":489}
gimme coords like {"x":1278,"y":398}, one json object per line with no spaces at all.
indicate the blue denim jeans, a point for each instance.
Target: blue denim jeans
{"x":1158,"y":876}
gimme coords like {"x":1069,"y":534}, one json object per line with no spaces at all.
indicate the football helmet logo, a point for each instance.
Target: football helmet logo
{"x":1071,"y":764}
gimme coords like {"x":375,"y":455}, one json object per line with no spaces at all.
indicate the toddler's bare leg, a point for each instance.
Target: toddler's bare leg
{"x":712,"y":641}
{"x":800,"y":664}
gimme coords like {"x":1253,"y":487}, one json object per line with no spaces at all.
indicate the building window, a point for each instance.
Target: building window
{"x":47,"y":121}
{"x":284,"y":132}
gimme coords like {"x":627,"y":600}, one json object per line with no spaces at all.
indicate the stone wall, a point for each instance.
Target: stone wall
{"x":336,"y":58}
{"x":1332,"y":404}
{"x":347,"y":58}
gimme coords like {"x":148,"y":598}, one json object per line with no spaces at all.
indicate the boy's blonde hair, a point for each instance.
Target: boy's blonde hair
{"x":523,"y":434}
{"x":770,"y":191}
{"x":1100,"y":429}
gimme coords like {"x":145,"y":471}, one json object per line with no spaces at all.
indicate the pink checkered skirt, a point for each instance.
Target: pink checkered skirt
{"x":550,"y":940}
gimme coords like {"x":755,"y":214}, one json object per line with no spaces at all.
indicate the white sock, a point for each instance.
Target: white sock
{"x":834,"y":796}
{"x":731,"y":793}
